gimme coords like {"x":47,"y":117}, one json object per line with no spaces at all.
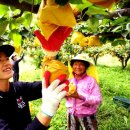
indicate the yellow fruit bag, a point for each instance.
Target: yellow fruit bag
{"x":55,"y":67}
{"x":51,"y":15}
{"x":72,"y":89}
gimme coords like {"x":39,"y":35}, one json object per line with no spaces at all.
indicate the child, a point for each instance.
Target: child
{"x":15,"y":97}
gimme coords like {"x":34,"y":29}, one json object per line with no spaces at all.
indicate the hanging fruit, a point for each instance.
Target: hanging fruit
{"x":52,"y":15}
{"x":56,"y":23}
{"x":104,"y":3}
{"x":55,"y":67}
{"x":84,"y":42}
{"x":94,"y":41}
{"x":77,"y":37}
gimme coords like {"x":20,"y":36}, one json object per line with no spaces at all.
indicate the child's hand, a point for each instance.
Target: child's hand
{"x":52,"y":94}
{"x":62,"y":79}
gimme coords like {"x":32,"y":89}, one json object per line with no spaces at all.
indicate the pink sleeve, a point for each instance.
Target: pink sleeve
{"x":92,"y":94}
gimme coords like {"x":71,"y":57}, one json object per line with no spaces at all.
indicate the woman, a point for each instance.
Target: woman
{"x":83,"y":103}
{"x":15,"y":97}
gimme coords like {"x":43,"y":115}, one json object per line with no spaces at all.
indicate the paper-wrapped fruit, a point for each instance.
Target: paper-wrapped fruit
{"x":72,"y":89}
{"x":55,"y":67}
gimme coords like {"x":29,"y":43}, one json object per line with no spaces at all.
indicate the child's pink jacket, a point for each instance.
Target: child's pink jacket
{"x":89,"y":90}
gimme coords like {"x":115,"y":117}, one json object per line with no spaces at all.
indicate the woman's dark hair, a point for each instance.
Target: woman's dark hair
{"x":87,"y":64}
{"x":13,"y":57}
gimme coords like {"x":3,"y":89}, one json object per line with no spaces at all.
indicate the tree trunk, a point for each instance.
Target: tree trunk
{"x":95,"y":58}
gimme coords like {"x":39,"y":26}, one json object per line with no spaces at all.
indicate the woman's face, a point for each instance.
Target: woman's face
{"x":79,"y":68}
{"x":6,"y":71}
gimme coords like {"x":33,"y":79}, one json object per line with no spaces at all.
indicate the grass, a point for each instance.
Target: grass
{"x":113,"y":82}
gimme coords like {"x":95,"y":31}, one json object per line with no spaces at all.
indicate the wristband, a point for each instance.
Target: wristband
{"x":46,"y":114}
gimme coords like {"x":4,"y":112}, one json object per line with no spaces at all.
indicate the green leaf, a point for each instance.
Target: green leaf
{"x":3,"y":25}
{"x":13,"y":25}
{"x":119,"y":20}
{"x":128,"y":27}
{"x":105,"y":22}
{"x":16,"y":23}
{"x":81,"y":6}
{"x":3,"y":10}
{"x":75,"y":1}
{"x":27,"y":19}
{"x":93,"y":23}
{"x":115,"y":43}
{"x":117,"y":29}
{"x":103,"y":39}
{"x":30,"y":1}
{"x":92,"y":10}
{"x":100,"y":16}
{"x":124,"y":33}
{"x":16,"y":37}
{"x":118,"y":42}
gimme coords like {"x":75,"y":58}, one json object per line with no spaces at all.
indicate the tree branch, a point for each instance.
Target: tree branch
{"x":22,"y":6}
{"x":18,"y":15}
{"x":107,"y":34}
{"x":119,"y":13}
{"x":28,"y":7}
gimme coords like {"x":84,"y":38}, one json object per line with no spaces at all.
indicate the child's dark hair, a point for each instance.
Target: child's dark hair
{"x":87,"y":64}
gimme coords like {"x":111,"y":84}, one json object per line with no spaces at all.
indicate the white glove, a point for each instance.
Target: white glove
{"x":52,"y":96}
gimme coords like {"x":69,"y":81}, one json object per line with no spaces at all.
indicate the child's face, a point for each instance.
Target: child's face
{"x":6,"y":71}
{"x":79,"y":68}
